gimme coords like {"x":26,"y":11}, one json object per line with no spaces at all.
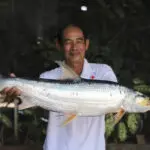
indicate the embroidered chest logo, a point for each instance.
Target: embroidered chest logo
{"x":92,"y":77}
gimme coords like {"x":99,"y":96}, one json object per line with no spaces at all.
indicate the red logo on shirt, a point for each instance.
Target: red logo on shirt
{"x":92,"y":77}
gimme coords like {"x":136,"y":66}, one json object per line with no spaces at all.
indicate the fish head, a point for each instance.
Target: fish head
{"x":142,"y":102}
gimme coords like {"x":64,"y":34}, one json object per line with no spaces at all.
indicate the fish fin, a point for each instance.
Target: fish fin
{"x":69,"y":119}
{"x":119,"y":115}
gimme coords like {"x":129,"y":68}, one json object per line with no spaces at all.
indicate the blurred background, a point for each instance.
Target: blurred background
{"x":119,"y":33}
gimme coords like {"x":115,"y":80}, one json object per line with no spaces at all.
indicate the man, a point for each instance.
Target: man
{"x":83,"y":133}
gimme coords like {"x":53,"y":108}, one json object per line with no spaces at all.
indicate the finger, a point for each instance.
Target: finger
{"x":12,"y":75}
{"x":13,"y":92}
{"x":16,"y":93}
{"x":18,"y":100}
{"x":5,"y":90}
{"x":8,"y":99}
{"x":2,"y":97}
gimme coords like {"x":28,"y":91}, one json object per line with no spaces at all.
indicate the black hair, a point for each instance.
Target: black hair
{"x":59,"y":35}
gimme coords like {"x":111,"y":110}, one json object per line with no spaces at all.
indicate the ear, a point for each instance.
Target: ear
{"x":58,"y":46}
{"x":87,"y":42}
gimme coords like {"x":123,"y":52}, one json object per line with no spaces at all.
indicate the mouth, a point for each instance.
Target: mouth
{"x":75,"y":53}
{"x":144,"y":102}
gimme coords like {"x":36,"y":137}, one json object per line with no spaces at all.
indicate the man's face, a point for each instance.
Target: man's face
{"x":74,"y":44}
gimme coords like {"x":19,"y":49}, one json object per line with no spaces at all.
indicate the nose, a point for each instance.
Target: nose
{"x":74,"y":46}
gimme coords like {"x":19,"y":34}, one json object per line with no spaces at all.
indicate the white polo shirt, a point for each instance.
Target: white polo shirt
{"x":83,"y":133}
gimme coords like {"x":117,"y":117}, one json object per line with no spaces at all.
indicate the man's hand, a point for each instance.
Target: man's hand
{"x":10,"y":92}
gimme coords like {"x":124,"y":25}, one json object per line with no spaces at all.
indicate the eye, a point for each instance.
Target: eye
{"x":67,"y":42}
{"x":80,"y":41}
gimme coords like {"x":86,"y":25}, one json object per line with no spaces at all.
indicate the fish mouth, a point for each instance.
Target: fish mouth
{"x":144,"y":102}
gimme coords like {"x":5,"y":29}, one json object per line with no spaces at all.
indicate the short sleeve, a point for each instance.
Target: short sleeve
{"x":109,"y":74}
{"x":104,"y":72}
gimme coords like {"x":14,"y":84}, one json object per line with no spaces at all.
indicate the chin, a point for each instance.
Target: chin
{"x":76,"y":59}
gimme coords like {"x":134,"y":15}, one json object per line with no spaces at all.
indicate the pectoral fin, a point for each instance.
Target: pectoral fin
{"x":119,"y":115}
{"x":69,"y":119}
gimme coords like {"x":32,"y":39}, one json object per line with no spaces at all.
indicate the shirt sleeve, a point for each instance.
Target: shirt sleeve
{"x":109,"y":74}
{"x":105,"y":72}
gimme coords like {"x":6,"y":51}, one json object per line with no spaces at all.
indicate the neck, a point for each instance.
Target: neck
{"x":76,"y":66}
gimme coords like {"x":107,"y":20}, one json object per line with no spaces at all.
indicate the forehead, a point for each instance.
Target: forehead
{"x":72,"y":32}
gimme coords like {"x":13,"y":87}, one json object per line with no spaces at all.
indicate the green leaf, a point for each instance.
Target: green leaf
{"x":108,"y":124}
{"x":5,"y":120}
{"x":122,"y":131}
{"x":142,"y":88}
{"x":133,"y":122}
{"x":138,"y":81}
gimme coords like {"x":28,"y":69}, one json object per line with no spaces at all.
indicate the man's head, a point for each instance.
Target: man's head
{"x":73,"y":41}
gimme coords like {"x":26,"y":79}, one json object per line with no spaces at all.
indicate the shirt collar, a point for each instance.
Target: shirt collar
{"x":87,"y":72}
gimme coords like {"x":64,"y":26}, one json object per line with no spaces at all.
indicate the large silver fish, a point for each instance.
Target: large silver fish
{"x":78,"y":97}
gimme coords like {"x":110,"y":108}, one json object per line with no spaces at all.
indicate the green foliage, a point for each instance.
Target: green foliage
{"x":108,"y":125}
{"x":133,"y":121}
{"x":142,"y":88}
{"x":31,"y":129}
{"x":5,"y":120}
{"x":122,"y":132}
